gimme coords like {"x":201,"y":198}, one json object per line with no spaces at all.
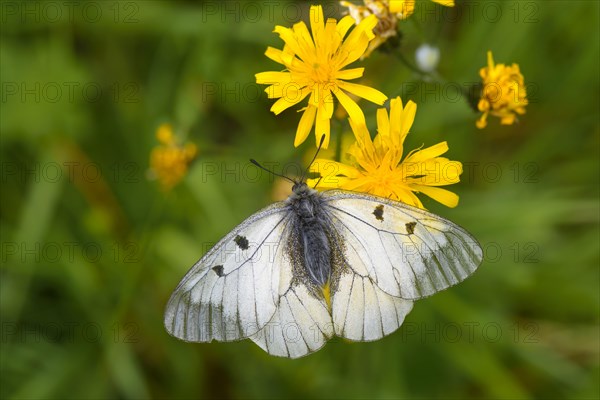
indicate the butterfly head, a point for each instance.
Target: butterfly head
{"x":301,"y":191}
{"x":300,"y":188}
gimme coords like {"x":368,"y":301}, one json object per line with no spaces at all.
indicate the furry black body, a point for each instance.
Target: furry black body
{"x":311,"y":229}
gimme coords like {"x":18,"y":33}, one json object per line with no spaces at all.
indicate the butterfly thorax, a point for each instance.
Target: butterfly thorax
{"x":311,"y":232}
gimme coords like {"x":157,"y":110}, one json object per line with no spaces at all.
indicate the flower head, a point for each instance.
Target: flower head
{"x":379,"y":168}
{"x":503,"y":94}
{"x":315,"y":66}
{"x":169,"y":161}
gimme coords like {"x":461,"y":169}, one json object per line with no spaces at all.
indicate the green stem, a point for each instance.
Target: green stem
{"x":410,"y":65}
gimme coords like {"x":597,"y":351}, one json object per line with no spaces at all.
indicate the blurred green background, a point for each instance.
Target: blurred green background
{"x":91,"y":249}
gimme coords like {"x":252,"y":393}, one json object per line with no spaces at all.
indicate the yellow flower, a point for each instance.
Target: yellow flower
{"x":169,"y":161}
{"x":378,"y":166}
{"x":315,"y":65}
{"x":503,"y":94}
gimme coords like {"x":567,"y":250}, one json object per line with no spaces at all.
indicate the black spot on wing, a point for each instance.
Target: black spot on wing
{"x":241,"y":241}
{"x":378,"y":212}
{"x":218,"y":270}
{"x":410,"y":227}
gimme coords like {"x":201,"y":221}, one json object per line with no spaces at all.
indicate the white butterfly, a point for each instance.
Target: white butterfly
{"x":319,"y":264}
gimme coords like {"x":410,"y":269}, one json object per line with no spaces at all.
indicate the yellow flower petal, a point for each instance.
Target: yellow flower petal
{"x":317,"y":22}
{"x":430,"y":152}
{"x":327,"y":105}
{"x":289,"y":37}
{"x":482,"y":121}
{"x":353,"y":110}
{"x":447,"y":3}
{"x":322,"y":126}
{"x":361,"y":33}
{"x":408,"y":117}
{"x":450,"y":171}
{"x":352,"y":50}
{"x":403,"y":7}
{"x":344,"y":25}
{"x":437,"y":171}
{"x":303,"y":38}
{"x":293,"y":98}
{"x":490,"y":60}
{"x":408,"y":197}
{"x":271,"y":77}
{"x":334,"y":40}
{"x":325,"y":167}
{"x":363,"y":91}
{"x":306,"y":123}
{"x":367,"y":25}
{"x":363,"y":150}
{"x":440,"y":195}
{"x":289,"y":90}
{"x":350,"y":73}
{"x":383,"y":122}
{"x":277,"y":55}
{"x":359,"y":184}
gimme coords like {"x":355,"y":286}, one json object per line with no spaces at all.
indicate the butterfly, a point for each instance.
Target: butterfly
{"x":318,"y":265}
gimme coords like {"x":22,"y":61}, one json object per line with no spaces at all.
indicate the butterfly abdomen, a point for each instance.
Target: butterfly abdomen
{"x":312,"y":235}
{"x":317,"y":253}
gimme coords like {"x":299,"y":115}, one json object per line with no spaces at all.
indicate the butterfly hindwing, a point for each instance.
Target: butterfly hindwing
{"x":363,"y":312}
{"x":301,"y":325}
{"x":233,"y":291}
{"x":405,"y":251}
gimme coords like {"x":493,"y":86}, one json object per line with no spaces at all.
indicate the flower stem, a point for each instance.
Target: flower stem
{"x":410,"y":65}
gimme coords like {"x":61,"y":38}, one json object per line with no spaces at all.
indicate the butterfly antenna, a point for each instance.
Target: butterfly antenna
{"x":314,"y":158}
{"x":253,"y":161}
{"x":317,"y":184}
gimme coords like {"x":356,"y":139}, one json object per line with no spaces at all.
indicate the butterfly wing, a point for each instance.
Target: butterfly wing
{"x":363,"y":312}
{"x":233,"y":291}
{"x":244,"y":287}
{"x":301,"y":325}
{"x":404,"y":251}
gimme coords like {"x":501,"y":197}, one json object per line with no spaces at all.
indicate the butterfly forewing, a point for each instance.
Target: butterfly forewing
{"x":234,"y":290}
{"x":408,"y":252}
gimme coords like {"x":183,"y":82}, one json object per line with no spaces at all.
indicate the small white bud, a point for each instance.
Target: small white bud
{"x":427,"y":57}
